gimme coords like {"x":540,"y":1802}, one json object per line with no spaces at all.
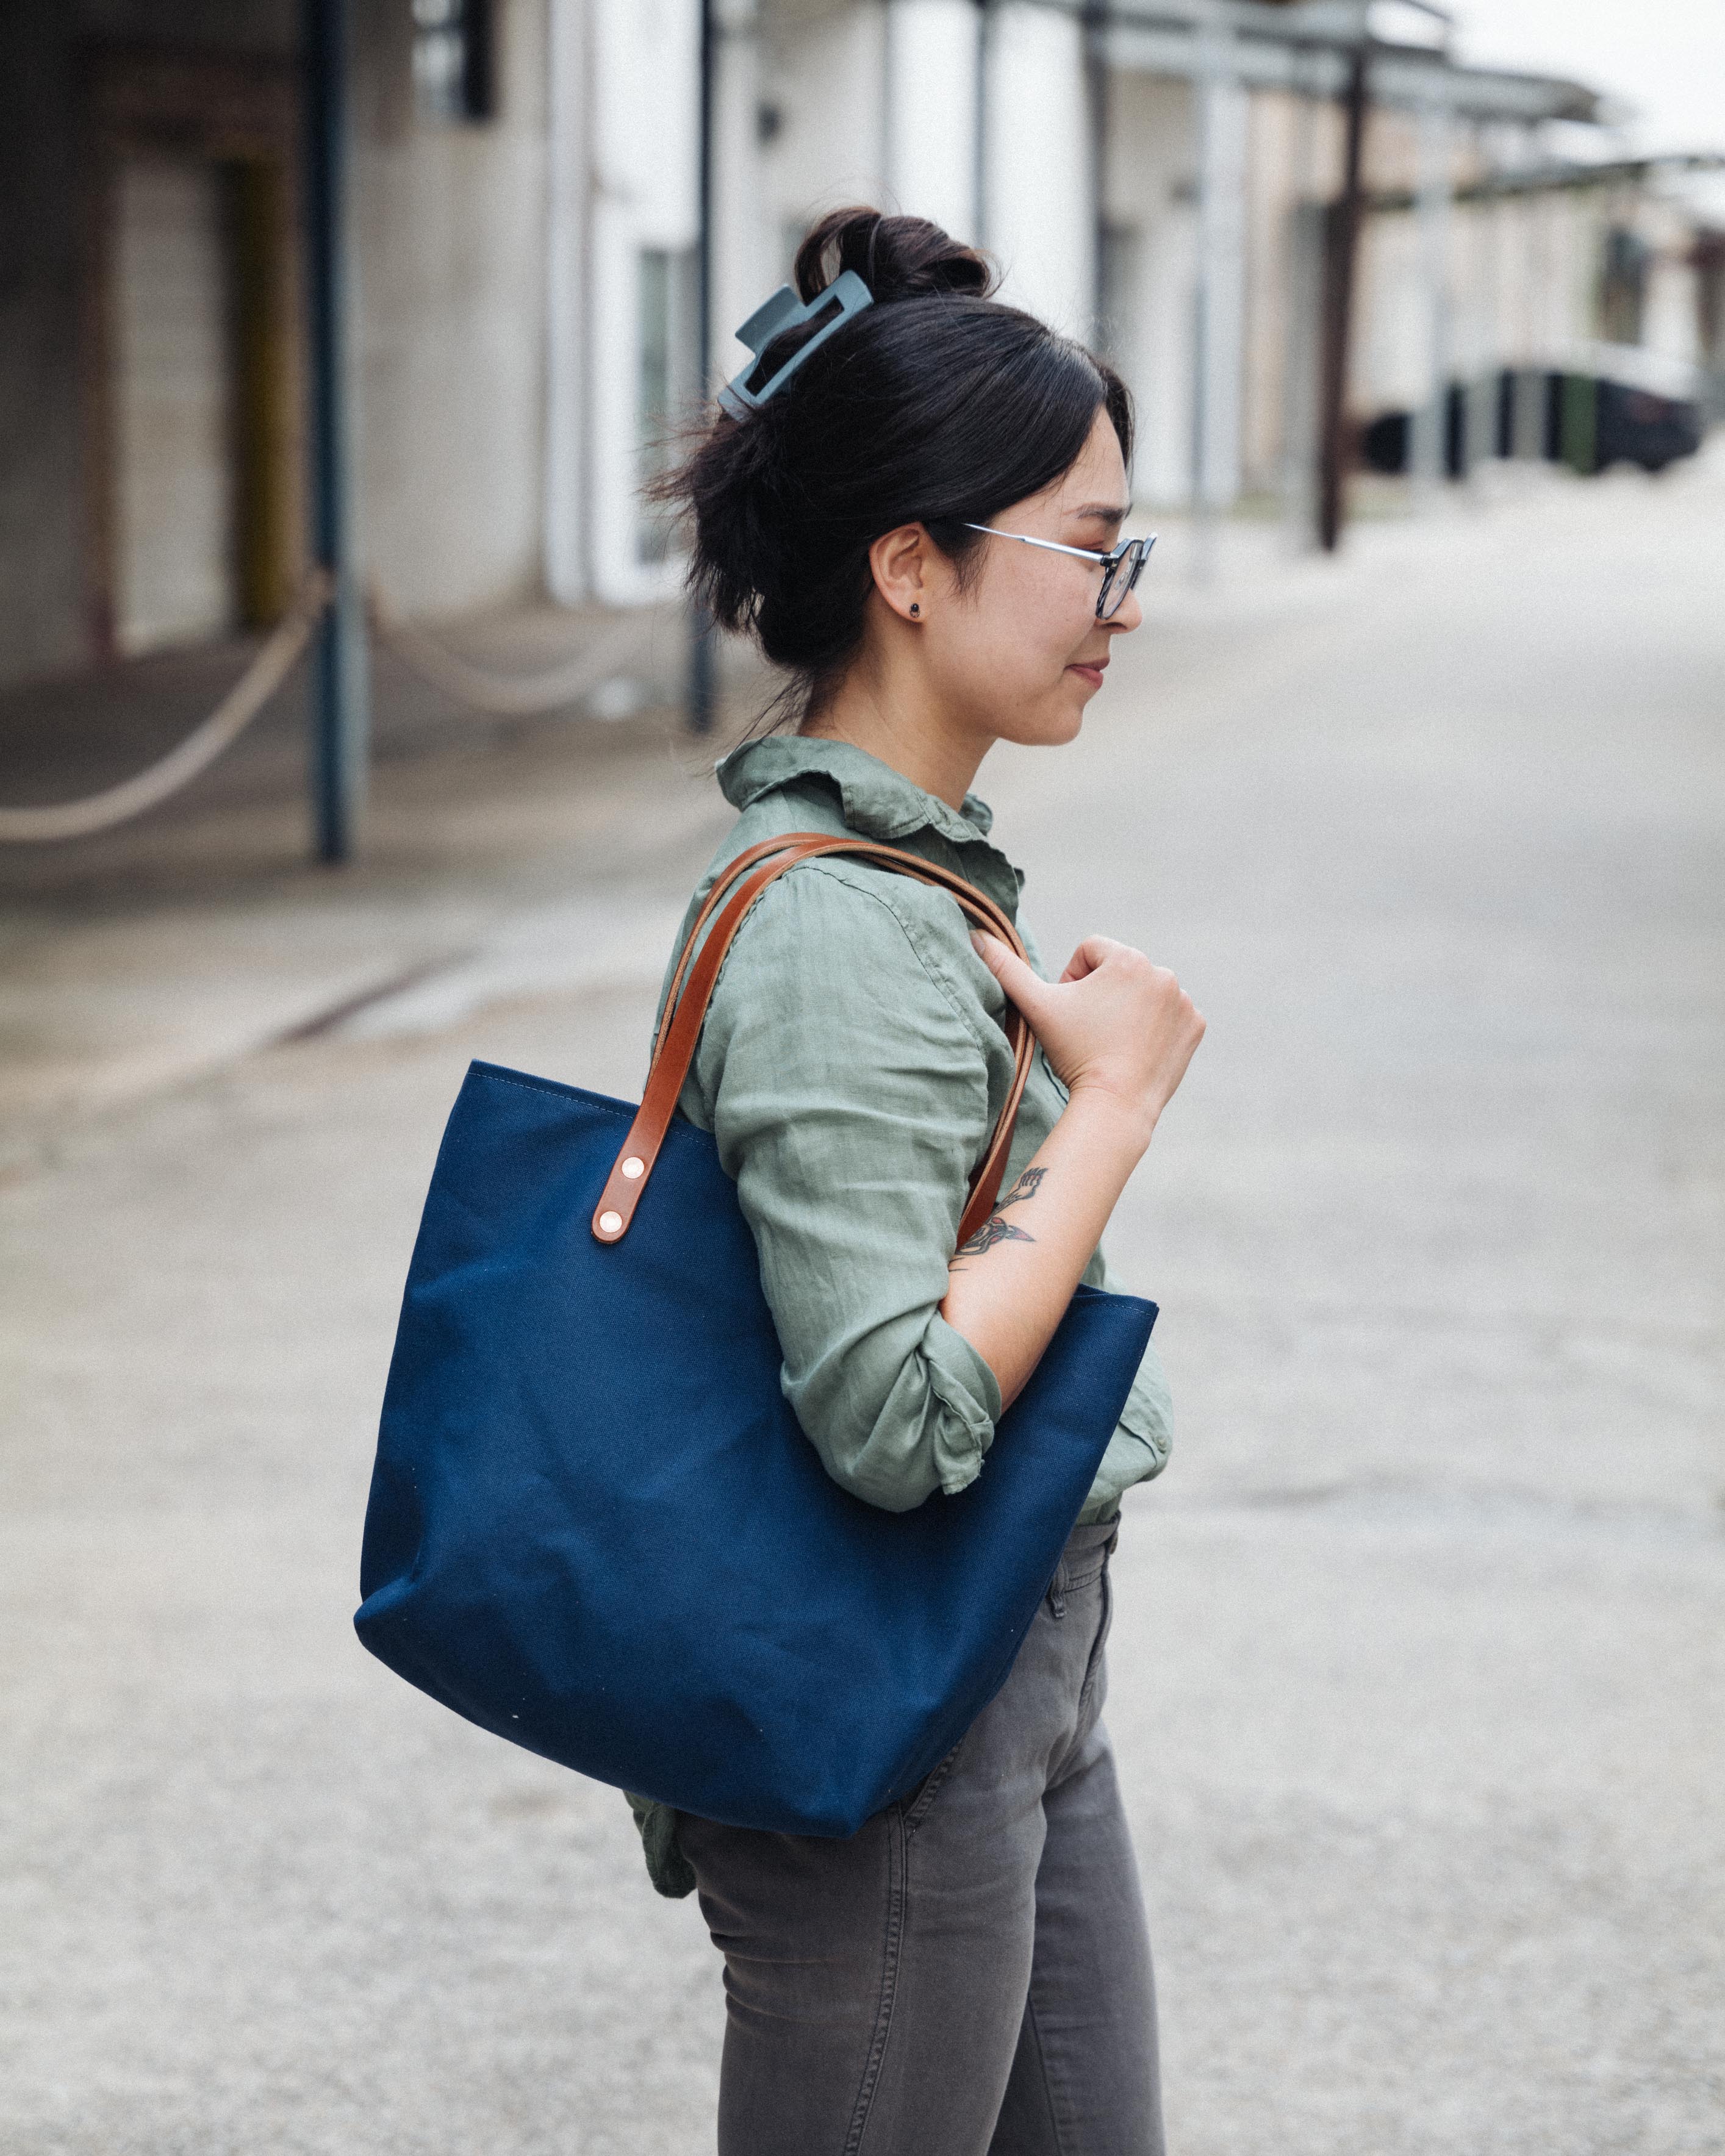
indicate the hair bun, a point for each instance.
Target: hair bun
{"x":898,"y":258}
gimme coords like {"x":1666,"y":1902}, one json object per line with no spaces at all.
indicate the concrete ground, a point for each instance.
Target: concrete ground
{"x":1419,"y":1668}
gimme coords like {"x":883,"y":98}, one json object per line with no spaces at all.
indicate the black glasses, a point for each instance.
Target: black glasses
{"x":1121,"y":567}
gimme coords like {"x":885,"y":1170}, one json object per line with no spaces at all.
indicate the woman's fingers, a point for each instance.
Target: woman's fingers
{"x":1023,"y":984}
{"x":1093,"y":951}
{"x":1115,"y":1022}
{"x":1014,"y":974}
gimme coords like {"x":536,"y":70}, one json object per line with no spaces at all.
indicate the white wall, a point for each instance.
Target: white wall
{"x":450,"y":225}
{"x":826,"y":81}
{"x":624,"y":176}
{"x":745,"y":265}
{"x":1280,"y":149}
{"x":1672,"y":319}
{"x":645,"y":156}
{"x":568,"y":123}
{"x":1152,"y":171}
{"x":1037,"y":214}
{"x":1390,"y":348}
{"x":931,"y":117}
{"x":173,"y":414}
{"x":1218,"y":280}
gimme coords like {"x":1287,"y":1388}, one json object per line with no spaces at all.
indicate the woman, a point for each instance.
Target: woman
{"x":915,"y":526}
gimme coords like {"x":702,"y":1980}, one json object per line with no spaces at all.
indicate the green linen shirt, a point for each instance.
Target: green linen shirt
{"x":851,"y":1067}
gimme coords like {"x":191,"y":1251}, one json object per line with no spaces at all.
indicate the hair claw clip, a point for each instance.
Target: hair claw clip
{"x":829,"y":311}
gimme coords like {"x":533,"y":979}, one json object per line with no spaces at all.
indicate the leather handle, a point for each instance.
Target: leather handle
{"x":810,"y":841}
{"x":733,"y":894}
{"x":723,"y":884}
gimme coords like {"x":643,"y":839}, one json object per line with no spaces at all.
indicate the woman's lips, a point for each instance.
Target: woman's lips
{"x":1091,"y":669}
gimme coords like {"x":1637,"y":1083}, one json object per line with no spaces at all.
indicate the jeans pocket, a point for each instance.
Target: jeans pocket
{"x":1095,"y":1679}
{"x":917,"y":1805}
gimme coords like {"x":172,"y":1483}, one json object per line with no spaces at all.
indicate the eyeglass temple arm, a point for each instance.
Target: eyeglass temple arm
{"x":1053,"y":545}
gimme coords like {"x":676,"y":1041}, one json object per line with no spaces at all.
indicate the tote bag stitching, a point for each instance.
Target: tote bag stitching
{"x":565,"y":1092}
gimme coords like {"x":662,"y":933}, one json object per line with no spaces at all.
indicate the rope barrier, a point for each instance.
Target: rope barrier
{"x":502,"y":696}
{"x":100,"y":811}
{"x":493,"y":695}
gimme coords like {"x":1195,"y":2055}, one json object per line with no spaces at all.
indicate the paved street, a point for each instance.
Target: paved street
{"x":1418,"y":1667}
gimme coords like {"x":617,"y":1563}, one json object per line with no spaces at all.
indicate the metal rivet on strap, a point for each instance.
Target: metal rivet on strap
{"x":610,"y":1222}
{"x":634,"y":1169}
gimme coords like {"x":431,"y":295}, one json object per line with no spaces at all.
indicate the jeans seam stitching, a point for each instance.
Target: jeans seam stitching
{"x":1047,"y":2093}
{"x":893,"y":1945}
{"x":931,"y":1788}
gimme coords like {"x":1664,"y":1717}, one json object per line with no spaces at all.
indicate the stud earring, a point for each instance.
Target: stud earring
{"x":915,"y":608}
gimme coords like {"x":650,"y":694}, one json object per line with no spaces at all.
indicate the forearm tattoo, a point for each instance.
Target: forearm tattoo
{"x":998,"y":1230}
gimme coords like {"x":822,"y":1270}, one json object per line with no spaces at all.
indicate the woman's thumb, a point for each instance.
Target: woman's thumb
{"x":1023,"y":984}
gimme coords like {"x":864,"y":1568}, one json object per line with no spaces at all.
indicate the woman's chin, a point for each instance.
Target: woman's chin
{"x":1049,"y":729}
{"x":1068,"y":718}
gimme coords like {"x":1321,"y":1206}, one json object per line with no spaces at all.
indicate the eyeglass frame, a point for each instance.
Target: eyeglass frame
{"x":1111,"y":562}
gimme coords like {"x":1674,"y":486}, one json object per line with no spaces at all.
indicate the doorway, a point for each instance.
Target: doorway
{"x":193,"y":384}
{"x":173,"y":392}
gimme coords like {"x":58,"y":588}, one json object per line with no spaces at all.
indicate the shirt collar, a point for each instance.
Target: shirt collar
{"x":879,"y":802}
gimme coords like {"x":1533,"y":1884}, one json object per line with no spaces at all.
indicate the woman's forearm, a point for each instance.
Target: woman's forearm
{"x":1009,"y":1284}
{"x":1120,"y":1032}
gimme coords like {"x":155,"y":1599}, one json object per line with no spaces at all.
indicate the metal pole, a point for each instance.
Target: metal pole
{"x":1204,"y":292}
{"x":1097,"y":98}
{"x":980,"y":140}
{"x":702,"y":687}
{"x":1342,"y":238}
{"x":1217,"y":279}
{"x":890,"y":174}
{"x":1431,"y":423}
{"x":568,"y":72}
{"x":1304,"y":301}
{"x":341,"y":727}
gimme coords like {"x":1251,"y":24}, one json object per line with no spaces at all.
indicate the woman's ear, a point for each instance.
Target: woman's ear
{"x":900,"y":562}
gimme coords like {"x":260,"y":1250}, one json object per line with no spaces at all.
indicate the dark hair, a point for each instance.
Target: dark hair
{"x":936,"y":405}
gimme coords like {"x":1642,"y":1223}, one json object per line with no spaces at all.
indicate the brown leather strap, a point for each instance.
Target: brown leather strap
{"x":734,"y":893}
{"x":723,"y":884}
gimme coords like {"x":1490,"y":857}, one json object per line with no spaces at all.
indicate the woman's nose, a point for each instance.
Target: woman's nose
{"x":1130,"y":615}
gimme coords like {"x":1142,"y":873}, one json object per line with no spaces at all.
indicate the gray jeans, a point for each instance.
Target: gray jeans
{"x":969,"y":1975}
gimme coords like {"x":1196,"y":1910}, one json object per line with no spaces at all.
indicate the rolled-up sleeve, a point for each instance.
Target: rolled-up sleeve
{"x":850,"y":1094}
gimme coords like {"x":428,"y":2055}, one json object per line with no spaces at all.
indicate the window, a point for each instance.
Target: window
{"x":665,"y":330}
{"x":452,"y":59}
{"x":1622,"y":286}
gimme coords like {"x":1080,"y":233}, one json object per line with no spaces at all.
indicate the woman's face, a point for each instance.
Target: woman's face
{"x":1018,"y":656}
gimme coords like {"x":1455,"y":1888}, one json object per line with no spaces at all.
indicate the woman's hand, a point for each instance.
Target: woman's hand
{"x":1120,"y":1032}
{"x":1115,"y":1027}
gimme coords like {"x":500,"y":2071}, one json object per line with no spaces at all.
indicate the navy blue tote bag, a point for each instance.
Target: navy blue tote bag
{"x":595,"y":1527}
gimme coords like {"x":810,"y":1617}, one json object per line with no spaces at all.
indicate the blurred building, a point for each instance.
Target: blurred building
{"x":531,"y":182}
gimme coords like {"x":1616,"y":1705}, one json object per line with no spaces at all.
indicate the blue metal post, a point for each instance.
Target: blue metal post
{"x":702,"y":693}
{"x":340,"y":723}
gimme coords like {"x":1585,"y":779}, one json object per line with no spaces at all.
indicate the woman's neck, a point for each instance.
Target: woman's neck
{"x":897,"y":721}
